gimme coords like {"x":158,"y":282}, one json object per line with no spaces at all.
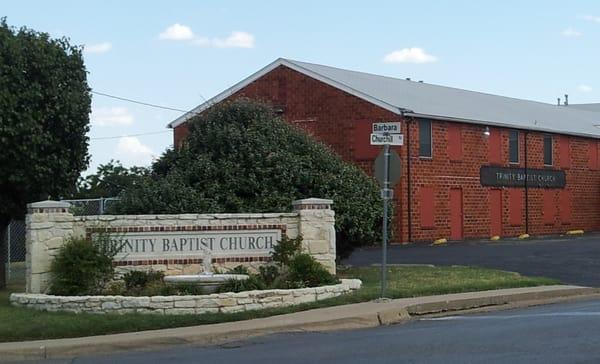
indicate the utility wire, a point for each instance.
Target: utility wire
{"x":139,"y":102}
{"x":132,"y":135}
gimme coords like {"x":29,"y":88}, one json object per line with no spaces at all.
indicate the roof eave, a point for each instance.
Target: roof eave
{"x":498,"y":124}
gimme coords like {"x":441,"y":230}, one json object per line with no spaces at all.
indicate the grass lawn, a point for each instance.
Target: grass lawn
{"x":18,"y":324}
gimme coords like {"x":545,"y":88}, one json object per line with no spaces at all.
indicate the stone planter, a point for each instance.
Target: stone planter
{"x":181,"y":305}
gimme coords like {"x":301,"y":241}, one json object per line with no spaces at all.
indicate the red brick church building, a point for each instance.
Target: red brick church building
{"x":474,"y":165}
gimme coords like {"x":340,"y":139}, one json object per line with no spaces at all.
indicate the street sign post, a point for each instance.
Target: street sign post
{"x":394,"y":168}
{"x":387,"y":172}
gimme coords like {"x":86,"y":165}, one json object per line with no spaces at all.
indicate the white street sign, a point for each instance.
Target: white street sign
{"x":391,"y":139}
{"x":387,"y":193}
{"x":386,"y":128}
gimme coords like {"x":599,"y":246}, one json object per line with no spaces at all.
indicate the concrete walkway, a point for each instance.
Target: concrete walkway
{"x":360,"y":315}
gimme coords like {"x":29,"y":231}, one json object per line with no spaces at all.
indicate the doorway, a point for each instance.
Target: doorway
{"x":456,"y":214}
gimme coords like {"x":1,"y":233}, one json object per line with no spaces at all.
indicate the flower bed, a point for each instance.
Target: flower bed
{"x":181,"y":305}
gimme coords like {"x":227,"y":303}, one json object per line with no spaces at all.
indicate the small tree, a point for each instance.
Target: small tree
{"x":44,"y":118}
{"x":83,"y":266}
{"x":240,"y":157}
{"x":109,"y":180}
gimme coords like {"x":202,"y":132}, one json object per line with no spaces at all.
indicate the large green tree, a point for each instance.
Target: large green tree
{"x":109,"y":180}
{"x":240,"y":157}
{"x":44,"y":117}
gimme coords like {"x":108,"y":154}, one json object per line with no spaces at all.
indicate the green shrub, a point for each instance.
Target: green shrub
{"x":82,"y":267}
{"x":306,"y":271}
{"x":240,"y":269}
{"x":286,"y":249}
{"x":115,"y":288}
{"x":268,"y":273}
{"x":238,"y":285}
{"x":241,"y":157}
{"x":139,"y":279}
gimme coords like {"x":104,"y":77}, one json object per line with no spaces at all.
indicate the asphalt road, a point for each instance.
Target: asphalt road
{"x":546,"y":334}
{"x":573,"y":260}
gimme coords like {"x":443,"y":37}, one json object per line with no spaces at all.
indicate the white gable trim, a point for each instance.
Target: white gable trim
{"x":279,"y":62}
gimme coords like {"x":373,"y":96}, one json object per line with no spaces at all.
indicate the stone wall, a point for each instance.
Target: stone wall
{"x":180,"y":305}
{"x":50,"y":224}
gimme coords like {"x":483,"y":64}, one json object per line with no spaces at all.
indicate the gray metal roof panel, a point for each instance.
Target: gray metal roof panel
{"x":588,"y":107}
{"x":469,"y":106}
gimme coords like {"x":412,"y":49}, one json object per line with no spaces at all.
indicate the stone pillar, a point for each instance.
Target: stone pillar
{"x":317,"y":226}
{"x":49,"y":224}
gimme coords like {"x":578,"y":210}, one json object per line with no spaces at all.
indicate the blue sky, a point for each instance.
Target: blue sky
{"x":175,"y":53}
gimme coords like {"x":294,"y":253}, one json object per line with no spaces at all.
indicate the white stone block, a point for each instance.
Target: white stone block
{"x":110,"y":306}
{"x":185,"y":303}
{"x":229,"y":309}
{"x":253,"y":306}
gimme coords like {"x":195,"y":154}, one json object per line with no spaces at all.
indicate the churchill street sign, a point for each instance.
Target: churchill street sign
{"x":389,"y":139}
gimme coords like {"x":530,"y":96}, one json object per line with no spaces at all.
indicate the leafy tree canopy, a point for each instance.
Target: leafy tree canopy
{"x":240,"y":157}
{"x":44,"y":117}
{"x":109,"y":180}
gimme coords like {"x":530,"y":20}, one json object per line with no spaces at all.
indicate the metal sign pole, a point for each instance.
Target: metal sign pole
{"x":387,"y":171}
{"x":8,"y":249}
{"x":386,"y":186}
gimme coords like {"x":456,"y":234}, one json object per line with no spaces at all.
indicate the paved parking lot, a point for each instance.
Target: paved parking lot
{"x":573,"y":260}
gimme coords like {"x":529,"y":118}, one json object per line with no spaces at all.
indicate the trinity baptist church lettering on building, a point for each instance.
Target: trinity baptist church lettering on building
{"x":215,"y":243}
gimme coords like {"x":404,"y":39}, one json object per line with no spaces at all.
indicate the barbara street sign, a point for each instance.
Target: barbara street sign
{"x":386,"y":128}
{"x":383,"y":139}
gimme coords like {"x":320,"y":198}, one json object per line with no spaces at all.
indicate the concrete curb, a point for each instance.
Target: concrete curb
{"x":360,"y":315}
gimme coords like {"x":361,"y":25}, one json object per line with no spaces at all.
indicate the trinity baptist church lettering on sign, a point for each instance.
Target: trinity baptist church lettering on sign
{"x":189,"y":243}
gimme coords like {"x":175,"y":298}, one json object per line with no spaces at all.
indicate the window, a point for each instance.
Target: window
{"x":513,"y":146}
{"x":549,"y":207}
{"x":425,"y":138}
{"x":565,"y":199}
{"x":565,"y":152}
{"x":427,"y":210}
{"x":454,"y":142}
{"x":593,"y":155}
{"x":495,"y":146}
{"x":515,"y":204}
{"x":548,"y":150}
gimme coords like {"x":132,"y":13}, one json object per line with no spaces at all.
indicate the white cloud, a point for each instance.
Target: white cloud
{"x":593,"y":18}
{"x":181,"y":32}
{"x":98,"y":48}
{"x":235,"y":40}
{"x":570,"y":32}
{"x":131,"y":151}
{"x":584,"y":88}
{"x":409,"y":55}
{"x":111,"y":116}
{"x":177,"y":32}
{"x":202,"y":41}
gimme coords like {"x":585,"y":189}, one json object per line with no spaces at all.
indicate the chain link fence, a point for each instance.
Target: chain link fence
{"x":91,"y":206}
{"x":13,"y":251}
{"x":12,"y":241}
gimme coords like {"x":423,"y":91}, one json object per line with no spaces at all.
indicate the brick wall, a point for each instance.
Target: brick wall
{"x":343,"y":121}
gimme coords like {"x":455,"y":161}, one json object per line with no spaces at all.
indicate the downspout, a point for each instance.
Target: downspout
{"x":408,"y":176}
{"x":526,"y":188}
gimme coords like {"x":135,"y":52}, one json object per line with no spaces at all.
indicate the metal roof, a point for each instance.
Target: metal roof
{"x":418,"y":99}
{"x":588,"y":107}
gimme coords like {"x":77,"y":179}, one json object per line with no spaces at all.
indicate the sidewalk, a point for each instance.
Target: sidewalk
{"x":360,"y":315}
